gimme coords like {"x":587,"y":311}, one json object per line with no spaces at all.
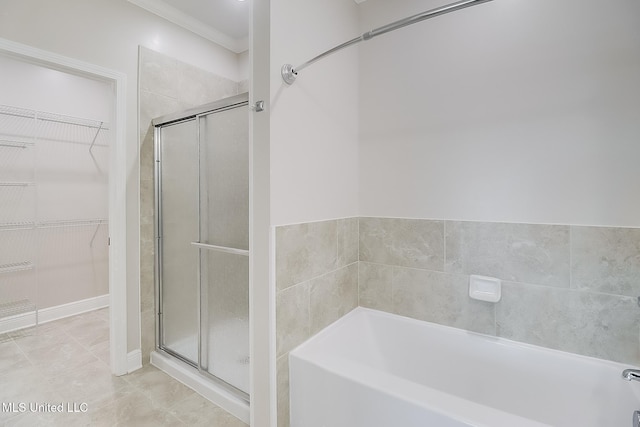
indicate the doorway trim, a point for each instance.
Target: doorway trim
{"x":117,"y":186}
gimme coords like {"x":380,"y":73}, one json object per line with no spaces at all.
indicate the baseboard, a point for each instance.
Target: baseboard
{"x":18,"y":321}
{"x":50,"y":314}
{"x":134,"y":360}
{"x":71,"y":309}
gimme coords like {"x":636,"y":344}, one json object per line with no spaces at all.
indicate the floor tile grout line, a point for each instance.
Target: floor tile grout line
{"x":104,"y":402}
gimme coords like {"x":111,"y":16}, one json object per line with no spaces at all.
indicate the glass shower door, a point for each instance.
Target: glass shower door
{"x":224,"y":245}
{"x":202,"y":175}
{"x":178,"y":198}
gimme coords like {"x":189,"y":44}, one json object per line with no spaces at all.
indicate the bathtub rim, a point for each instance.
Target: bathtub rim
{"x":303,"y":349}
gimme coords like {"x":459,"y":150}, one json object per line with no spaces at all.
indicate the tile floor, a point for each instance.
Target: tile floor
{"x":66,"y":362}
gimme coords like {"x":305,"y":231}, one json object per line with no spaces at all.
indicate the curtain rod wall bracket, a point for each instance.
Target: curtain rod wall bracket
{"x":288,"y":74}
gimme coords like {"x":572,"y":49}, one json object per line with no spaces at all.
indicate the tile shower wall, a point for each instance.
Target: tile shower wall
{"x":316,"y":284}
{"x":572,"y":288}
{"x":166,"y":86}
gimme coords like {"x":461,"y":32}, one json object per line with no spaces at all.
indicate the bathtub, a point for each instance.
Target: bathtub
{"x":375,"y":369}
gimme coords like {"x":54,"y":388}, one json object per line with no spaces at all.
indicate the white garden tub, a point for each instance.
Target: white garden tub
{"x":374,"y":369}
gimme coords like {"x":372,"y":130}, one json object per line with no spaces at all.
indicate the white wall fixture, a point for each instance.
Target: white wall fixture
{"x":485,"y":288}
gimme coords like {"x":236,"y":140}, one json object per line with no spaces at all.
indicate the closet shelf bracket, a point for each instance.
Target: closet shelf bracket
{"x":95,"y":233}
{"x":95,"y":136}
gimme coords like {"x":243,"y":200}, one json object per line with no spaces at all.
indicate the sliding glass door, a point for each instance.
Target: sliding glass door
{"x":224,"y":255}
{"x":178,"y":196}
{"x":203,"y":245}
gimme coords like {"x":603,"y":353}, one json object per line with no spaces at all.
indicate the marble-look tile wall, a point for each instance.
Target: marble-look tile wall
{"x":165,"y":86}
{"x":316,"y":284}
{"x":572,"y":288}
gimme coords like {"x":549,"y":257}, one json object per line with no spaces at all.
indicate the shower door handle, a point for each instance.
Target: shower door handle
{"x":221,"y":249}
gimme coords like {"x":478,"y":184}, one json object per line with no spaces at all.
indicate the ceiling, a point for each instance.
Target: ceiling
{"x":225,"y":22}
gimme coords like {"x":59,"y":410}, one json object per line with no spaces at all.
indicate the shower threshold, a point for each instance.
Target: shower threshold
{"x":190,"y":377}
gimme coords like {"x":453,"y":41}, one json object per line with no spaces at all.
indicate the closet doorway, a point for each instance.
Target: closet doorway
{"x":55,"y":141}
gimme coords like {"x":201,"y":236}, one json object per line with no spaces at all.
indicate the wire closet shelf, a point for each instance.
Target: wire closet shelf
{"x":21,"y":228}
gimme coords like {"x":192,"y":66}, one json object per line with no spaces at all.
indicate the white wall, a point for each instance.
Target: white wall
{"x":519,"y":110}
{"x":243,"y":66}
{"x":107,"y":33}
{"x":34,"y":87}
{"x":314,"y":151}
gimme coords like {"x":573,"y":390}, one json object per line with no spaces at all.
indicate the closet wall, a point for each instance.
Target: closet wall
{"x":54,"y":153}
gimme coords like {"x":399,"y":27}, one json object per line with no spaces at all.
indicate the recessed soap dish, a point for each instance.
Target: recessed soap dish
{"x":485,"y":288}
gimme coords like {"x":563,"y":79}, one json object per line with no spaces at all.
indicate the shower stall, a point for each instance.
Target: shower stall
{"x":202,"y":250}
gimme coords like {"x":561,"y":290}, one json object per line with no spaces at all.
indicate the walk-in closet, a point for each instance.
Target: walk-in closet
{"x":54,"y":155}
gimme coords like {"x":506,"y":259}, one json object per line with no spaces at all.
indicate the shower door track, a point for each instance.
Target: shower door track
{"x":223,"y":384}
{"x":192,"y":113}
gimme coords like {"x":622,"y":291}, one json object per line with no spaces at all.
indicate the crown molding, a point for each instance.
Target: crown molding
{"x":192,"y":24}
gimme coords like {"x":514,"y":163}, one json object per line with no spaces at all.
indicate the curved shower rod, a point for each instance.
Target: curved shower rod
{"x":289,"y":72}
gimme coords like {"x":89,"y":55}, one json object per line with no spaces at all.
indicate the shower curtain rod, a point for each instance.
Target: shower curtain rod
{"x":289,"y":72}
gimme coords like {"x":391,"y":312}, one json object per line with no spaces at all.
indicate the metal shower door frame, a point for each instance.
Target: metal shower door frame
{"x":193,"y":114}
